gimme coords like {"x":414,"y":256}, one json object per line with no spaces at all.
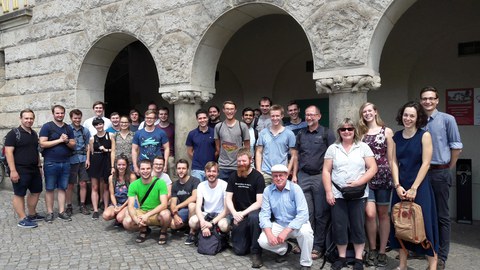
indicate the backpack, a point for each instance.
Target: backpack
{"x":407,"y":218}
{"x":213,"y":244}
{"x":3,"y":157}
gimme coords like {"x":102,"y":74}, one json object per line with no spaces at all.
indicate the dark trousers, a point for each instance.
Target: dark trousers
{"x":441,"y":181}
{"x":245,"y":235}
{"x":318,"y":208}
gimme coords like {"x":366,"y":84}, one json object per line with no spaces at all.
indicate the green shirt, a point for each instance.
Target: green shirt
{"x":139,"y":189}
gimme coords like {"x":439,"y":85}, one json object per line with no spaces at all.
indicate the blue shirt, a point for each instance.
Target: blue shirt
{"x":203,"y":144}
{"x":275,"y":148}
{"x":150,"y":143}
{"x":60,"y":152}
{"x":82,"y":136}
{"x":288,"y":206}
{"x":445,"y":136}
{"x":111,"y":130}
{"x":296,"y":127}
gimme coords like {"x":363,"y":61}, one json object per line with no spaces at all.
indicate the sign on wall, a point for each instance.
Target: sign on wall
{"x":464,"y":105}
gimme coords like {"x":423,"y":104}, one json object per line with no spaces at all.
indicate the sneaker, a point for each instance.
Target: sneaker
{"x":69,"y":210}
{"x":257,"y":260}
{"x":84,"y":210}
{"x":27,"y":223}
{"x":339,"y":264}
{"x":283,"y":258}
{"x":36,"y":217}
{"x":358,"y":264}
{"x":49,"y":218}
{"x":190,"y":239}
{"x":64,"y":216}
{"x":117,"y":224}
{"x":381,"y":260}
{"x":95,"y":215}
{"x":372,"y":258}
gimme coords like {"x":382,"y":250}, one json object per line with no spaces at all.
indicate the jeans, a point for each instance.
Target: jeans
{"x":224,"y":174}
{"x":56,"y":175}
{"x":245,"y":235}
{"x":199,"y":174}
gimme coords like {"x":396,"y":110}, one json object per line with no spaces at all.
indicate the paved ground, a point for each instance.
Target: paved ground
{"x":88,"y":244}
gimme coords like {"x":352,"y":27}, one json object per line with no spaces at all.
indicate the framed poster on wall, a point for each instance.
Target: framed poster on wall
{"x":464,"y":105}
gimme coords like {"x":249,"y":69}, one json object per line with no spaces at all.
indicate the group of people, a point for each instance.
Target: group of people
{"x":259,"y":180}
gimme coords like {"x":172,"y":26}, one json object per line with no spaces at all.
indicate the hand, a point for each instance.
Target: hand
{"x":401,"y":193}
{"x":101,"y":148}
{"x":205,"y":225}
{"x":238,"y":216}
{"x":14,"y":176}
{"x":165,"y":168}
{"x":272,"y":240}
{"x":136,"y":170}
{"x":177,"y":220}
{"x":64,"y":137}
{"x":294,"y":179}
{"x":112,"y":171}
{"x":352,"y":184}
{"x":282,"y":236}
{"x":87,"y":164}
{"x":330,"y":198}
{"x":206,"y":232}
{"x":411,"y":194}
{"x":116,"y":209}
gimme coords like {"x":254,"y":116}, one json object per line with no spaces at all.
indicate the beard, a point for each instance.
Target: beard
{"x":243,"y":170}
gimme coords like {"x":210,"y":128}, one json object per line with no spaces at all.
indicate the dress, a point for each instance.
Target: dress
{"x":378,"y":143}
{"x":409,"y":157}
{"x":100,"y":166}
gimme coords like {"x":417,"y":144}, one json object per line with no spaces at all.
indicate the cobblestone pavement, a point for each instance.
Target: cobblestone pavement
{"x":88,"y":244}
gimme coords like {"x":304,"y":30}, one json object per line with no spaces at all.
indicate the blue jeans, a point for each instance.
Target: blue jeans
{"x":56,"y":175}
{"x":224,"y":174}
{"x":199,"y":174}
{"x":441,"y":181}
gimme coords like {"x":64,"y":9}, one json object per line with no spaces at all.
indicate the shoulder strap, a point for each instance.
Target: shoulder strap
{"x":219,"y":129}
{"x":18,"y":136}
{"x":241,"y":130}
{"x":148,"y":191}
{"x":337,"y":187}
{"x":325,"y":135}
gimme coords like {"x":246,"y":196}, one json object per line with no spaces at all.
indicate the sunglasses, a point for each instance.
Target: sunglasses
{"x":346,"y":129}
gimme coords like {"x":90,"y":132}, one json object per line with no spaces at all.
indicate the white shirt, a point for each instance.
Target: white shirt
{"x":213,"y":199}
{"x":92,"y":129}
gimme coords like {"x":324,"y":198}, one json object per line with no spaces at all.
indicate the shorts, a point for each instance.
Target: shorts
{"x":183,"y":213}
{"x":28,"y":180}
{"x":380,"y":196}
{"x":78,"y":172}
{"x":152,"y":220}
{"x":56,"y":175}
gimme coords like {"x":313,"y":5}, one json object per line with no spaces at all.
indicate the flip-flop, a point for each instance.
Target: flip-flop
{"x":142,"y":236}
{"x":315,"y":254}
{"x":162,"y":240}
{"x":296,"y":250}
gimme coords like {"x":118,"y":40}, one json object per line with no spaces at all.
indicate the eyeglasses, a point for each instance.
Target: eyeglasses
{"x":429,"y":98}
{"x":346,"y":129}
{"x":311,"y":114}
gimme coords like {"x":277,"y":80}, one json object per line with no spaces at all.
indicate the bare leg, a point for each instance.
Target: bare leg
{"x":49,"y":200}
{"x":432,"y":262}
{"x":359,"y":251}
{"x":403,"y":259}
{"x":61,"y":200}
{"x":95,"y":194}
{"x":32,"y":200}
{"x":384,"y":228}
{"x":371,"y":224}
{"x":83,"y":191}
{"x":69,"y":194}
{"x":19,"y":206}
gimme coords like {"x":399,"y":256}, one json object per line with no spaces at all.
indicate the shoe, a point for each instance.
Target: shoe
{"x":190,"y":239}
{"x":339,"y":264}
{"x":49,"y":218}
{"x":69,"y":210}
{"x":358,"y":264}
{"x":372,"y":258}
{"x":283,"y":258}
{"x":440,"y":264}
{"x":257,"y":260}
{"x":316,"y":254}
{"x":36,"y":217}
{"x":64,"y":216}
{"x":381,"y":260}
{"x":142,"y":236}
{"x":95,"y":215}
{"x":117,"y":224}
{"x":84,"y":210}
{"x":27,"y":223}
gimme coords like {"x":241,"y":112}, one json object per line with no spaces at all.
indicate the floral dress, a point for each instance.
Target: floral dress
{"x":378,"y":144}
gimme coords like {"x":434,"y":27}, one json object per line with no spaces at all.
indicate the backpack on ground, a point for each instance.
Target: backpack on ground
{"x":213,"y":244}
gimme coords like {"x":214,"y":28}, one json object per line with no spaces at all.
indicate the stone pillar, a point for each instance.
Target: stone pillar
{"x":347,"y":94}
{"x":186,"y":103}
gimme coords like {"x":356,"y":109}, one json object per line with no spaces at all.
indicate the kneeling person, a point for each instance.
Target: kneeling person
{"x":153,"y":206}
{"x":210,"y":195}
{"x":285,"y":203}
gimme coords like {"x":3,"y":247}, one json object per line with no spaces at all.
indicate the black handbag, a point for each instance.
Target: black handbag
{"x":351,"y":193}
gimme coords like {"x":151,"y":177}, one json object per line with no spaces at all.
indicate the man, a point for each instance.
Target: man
{"x":248,"y":117}
{"x":244,"y":199}
{"x":184,"y":196}
{"x":213,"y":116}
{"x":58,"y":142}
{"x":79,"y":163}
{"x":158,"y":165}
{"x":201,"y":145}
{"x":147,"y":143}
{"x":151,"y":106}
{"x":281,"y":221}
{"x":153,"y":206}
{"x":169,"y":129}
{"x":263,"y":120}
{"x":295,"y":123}
{"x":115,"y":119}
{"x":210,"y":208}
{"x":134,"y":119}
{"x":98,"y":110}
{"x":274,"y":144}
{"x":21,"y":151}
{"x":230,"y":135}
{"x":447,"y":146}
{"x":311,"y":144}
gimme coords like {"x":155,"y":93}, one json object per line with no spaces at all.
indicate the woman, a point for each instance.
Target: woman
{"x":373,"y":132}
{"x":348,"y":163}
{"x":122,"y":141}
{"x":100,"y":164}
{"x":118,"y":187}
{"x":411,"y":160}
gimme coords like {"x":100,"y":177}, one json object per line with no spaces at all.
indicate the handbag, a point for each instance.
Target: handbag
{"x":407,"y":219}
{"x":351,"y":193}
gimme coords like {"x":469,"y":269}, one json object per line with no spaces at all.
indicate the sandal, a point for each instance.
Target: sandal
{"x":316,"y":254}
{"x":142,"y":236}
{"x":297,"y":250}
{"x":162,"y":240}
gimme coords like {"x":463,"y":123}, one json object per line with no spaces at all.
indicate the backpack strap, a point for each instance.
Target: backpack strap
{"x":148,"y":191}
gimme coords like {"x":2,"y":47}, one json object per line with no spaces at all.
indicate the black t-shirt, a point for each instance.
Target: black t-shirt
{"x":245,"y":190}
{"x":183,"y":191}
{"x":25,"y":153}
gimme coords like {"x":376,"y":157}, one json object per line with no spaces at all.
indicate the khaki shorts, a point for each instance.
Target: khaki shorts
{"x":152,"y":220}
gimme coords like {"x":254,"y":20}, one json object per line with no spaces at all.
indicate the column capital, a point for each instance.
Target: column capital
{"x":187,"y":96}
{"x":353,"y":83}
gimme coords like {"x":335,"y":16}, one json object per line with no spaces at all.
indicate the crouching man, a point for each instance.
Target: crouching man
{"x":152,"y":206}
{"x":284,"y":215}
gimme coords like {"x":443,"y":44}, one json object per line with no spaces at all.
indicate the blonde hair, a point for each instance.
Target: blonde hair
{"x":349,"y":122}
{"x":362,"y":126}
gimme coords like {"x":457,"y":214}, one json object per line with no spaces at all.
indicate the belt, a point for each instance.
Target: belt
{"x":439,"y":167}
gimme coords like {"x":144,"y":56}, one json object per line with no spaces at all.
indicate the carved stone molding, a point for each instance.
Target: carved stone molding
{"x":341,"y":83}
{"x":188,"y":97}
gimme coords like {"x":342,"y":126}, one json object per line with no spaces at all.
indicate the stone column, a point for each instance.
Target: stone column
{"x":347,"y":94}
{"x":186,"y":103}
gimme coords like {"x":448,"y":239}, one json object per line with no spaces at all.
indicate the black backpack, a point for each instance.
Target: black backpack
{"x":215,"y":243}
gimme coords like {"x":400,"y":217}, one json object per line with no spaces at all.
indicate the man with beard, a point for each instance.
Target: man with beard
{"x":311,"y":144}
{"x":58,"y":142}
{"x":244,"y":199}
{"x":98,"y":110}
{"x":248,"y":117}
{"x":115,"y":119}
{"x":213,"y":116}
